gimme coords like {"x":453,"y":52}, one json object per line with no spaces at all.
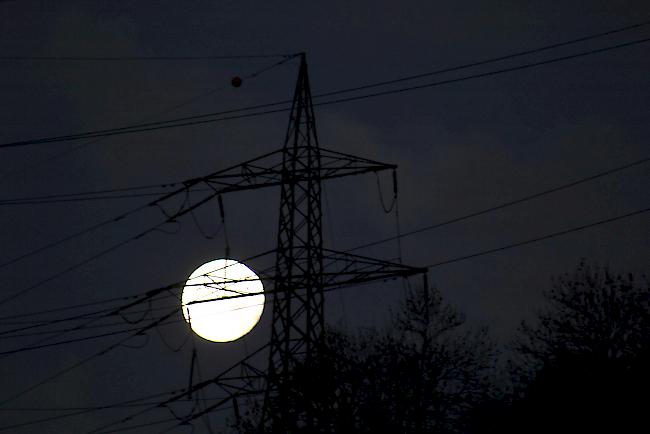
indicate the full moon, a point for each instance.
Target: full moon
{"x":215,"y":302}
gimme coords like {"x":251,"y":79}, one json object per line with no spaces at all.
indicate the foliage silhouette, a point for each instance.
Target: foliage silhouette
{"x":594,"y":312}
{"x":420,"y":374}
{"x":583,"y":365}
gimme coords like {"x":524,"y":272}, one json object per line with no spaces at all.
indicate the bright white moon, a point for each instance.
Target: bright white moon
{"x":220,"y":319}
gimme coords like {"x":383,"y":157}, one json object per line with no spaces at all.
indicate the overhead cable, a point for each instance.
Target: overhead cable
{"x":490,"y":209}
{"x":539,"y":238}
{"x":237,"y":113}
{"x":448,"y":261}
{"x":87,"y":359}
{"x":506,"y":204}
{"x":138,"y":58}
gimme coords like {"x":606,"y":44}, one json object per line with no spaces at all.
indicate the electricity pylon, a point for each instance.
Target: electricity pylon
{"x":298,"y":314}
{"x":300,"y":273}
{"x":304,"y":270}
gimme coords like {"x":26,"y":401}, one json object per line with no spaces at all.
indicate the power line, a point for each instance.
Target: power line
{"x":80,"y":198}
{"x":96,"y":314}
{"x":96,"y":336}
{"x":417,"y":76}
{"x":65,"y":416}
{"x":481,"y":253}
{"x":75,"y":306}
{"x":92,"y":357}
{"x":195,"y":120}
{"x":161,"y":421}
{"x":38,"y":346}
{"x":433,"y":265}
{"x":73,"y":236}
{"x":98,"y":407}
{"x":181,"y":394}
{"x":77,"y":265}
{"x":507,"y":204}
{"x":45,"y":323}
{"x":248,"y":76}
{"x":485,"y":74}
{"x":139,"y":58}
{"x":100,"y":335}
{"x":137,"y":299}
{"x":142,"y":425}
{"x":503,"y":205}
{"x":187,"y":185}
{"x":116,"y":332}
{"x":87,"y":359}
{"x":170,"y":218}
{"x":72,"y":197}
{"x":94,"y":318}
{"x":157,"y":126}
{"x":410,"y":233}
{"x":515,"y":245}
{"x":91,"y":316}
{"x":83,"y":410}
{"x":492,"y":208}
{"x":70,"y":341}
{"x":112,"y":311}
{"x":104,"y":251}
{"x":147,"y":124}
{"x":505,"y":247}
{"x":488,"y":61}
{"x":84,"y":327}
{"x":93,"y":192}
{"x":76,"y":411}
{"x":540,"y":238}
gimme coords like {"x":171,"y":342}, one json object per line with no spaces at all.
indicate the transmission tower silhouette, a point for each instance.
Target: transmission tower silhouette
{"x":298,"y":305}
{"x":304,"y":270}
{"x":300,"y":277}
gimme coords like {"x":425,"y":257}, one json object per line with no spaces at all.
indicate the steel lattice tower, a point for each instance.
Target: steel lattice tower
{"x":303,"y":268}
{"x":298,"y":319}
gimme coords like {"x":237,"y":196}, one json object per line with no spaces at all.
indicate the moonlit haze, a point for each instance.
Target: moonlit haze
{"x":222,"y":319}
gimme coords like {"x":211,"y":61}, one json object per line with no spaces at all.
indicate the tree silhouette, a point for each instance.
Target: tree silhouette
{"x":583,"y":364}
{"x":449,"y":365}
{"x":419,"y":374}
{"x":593,"y":312}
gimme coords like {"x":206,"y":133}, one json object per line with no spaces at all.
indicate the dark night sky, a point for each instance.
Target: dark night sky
{"x":460,"y":148}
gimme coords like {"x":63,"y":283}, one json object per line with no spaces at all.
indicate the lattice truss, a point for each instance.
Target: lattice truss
{"x":303,"y":272}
